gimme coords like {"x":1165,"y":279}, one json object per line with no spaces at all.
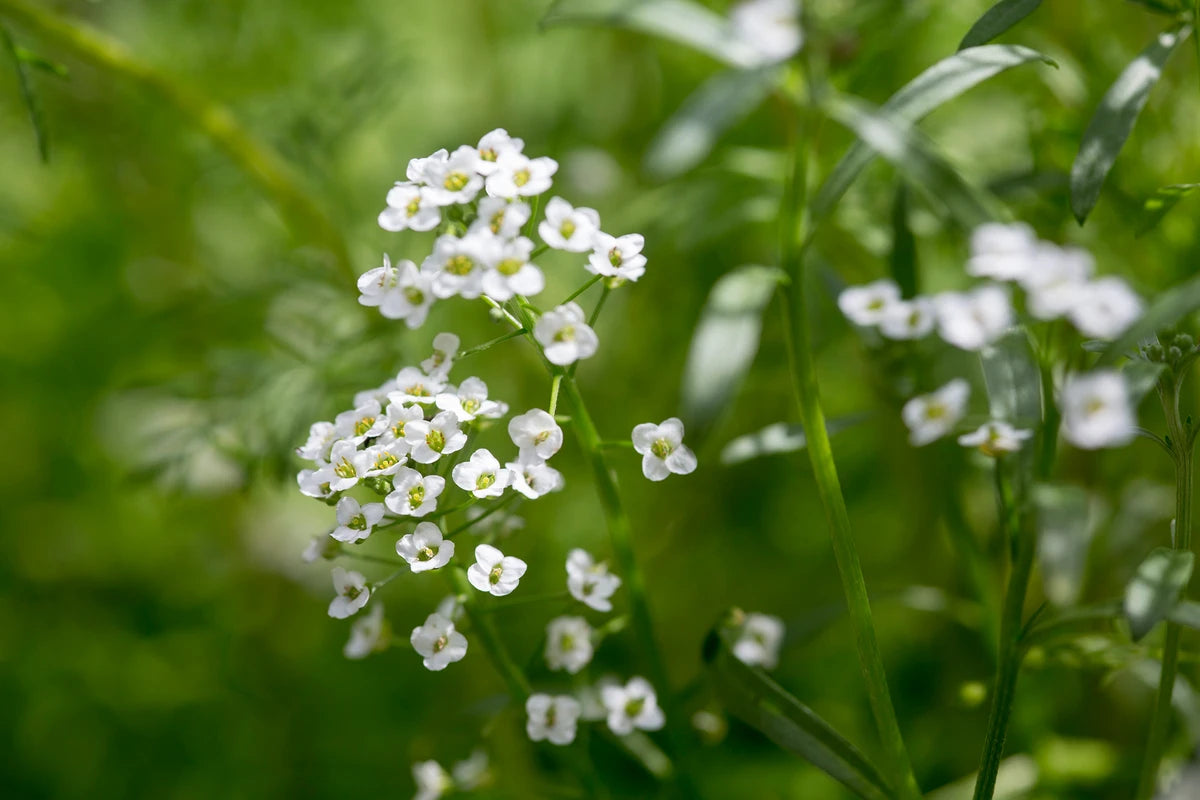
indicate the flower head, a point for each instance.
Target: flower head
{"x":866,"y":305}
{"x":632,"y":706}
{"x":410,"y":207}
{"x":495,"y":573}
{"x":438,"y":642}
{"x":565,"y":335}
{"x":771,"y":29}
{"x":321,"y":436}
{"x":430,"y":440}
{"x":931,"y":416}
{"x":1096,"y":410}
{"x":454,"y":180}
{"x":552,"y":719}
{"x":445,"y":348}
{"x":908,"y":319}
{"x":432,"y":780}
{"x":662,"y":449}
{"x":510,"y":272}
{"x":971,"y":320}
{"x":759,"y":640}
{"x":416,"y":386}
{"x":470,"y":400}
{"x":400,"y":292}
{"x":1105,"y":308}
{"x":533,"y":477}
{"x":1002,"y":252}
{"x":568,"y":644}
{"x":352,"y":593}
{"x":500,"y":217}
{"x":516,"y":175}
{"x":995,"y":438}
{"x":494,"y":144}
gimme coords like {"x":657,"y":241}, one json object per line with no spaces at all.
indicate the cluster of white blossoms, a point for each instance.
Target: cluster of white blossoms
{"x":433,"y":781}
{"x":1056,"y":283}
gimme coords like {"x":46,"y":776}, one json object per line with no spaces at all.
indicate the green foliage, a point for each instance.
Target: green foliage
{"x":998,"y":19}
{"x":1153,"y":592}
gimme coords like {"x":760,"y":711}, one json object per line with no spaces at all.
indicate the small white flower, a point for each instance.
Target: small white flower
{"x":482,"y":475}
{"x":415,"y":386}
{"x":908,"y":319}
{"x":367,"y":635}
{"x":398,"y":415}
{"x":565,"y":336}
{"x":347,"y":465}
{"x":456,"y":180}
{"x":511,"y":273}
{"x":1096,"y":410}
{"x":493,"y":572}
{"x":771,"y":28}
{"x":533,"y":477}
{"x":360,"y":424}
{"x":515,"y":175}
{"x":552,"y":719}
{"x":471,"y":773}
{"x":433,"y":439}
{"x":414,"y":494}
{"x":931,"y":416}
{"x":320,"y":547}
{"x":589,"y":581}
{"x":1002,"y":252}
{"x":567,"y":228}
{"x":355,"y":522}
{"x":632,"y":706}
{"x":321,"y":436}
{"x":470,"y":401}
{"x":617,"y":257}
{"x":500,"y":217}
{"x":1053,"y":285}
{"x":1105,"y":308}
{"x":568,"y":644}
{"x":494,"y":144}
{"x":432,"y":781}
{"x":419,"y":168}
{"x":424,"y":549}
{"x":971,"y":320}
{"x":410,"y":207}
{"x":438,"y":642}
{"x":662,"y":449}
{"x":866,"y":305}
{"x":759,"y":640}
{"x":445,"y":349}
{"x":400,"y":292}
{"x":352,"y":593}
{"x":458,"y":265}
{"x":995,"y":438}
{"x":536,"y":433}
{"x":315,"y":482}
{"x":385,"y":459}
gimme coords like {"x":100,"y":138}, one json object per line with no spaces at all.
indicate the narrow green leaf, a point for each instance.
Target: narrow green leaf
{"x":903,"y":257}
{"x":689,"y":135}
{"x":750,"y":695}
{"x":778,"y":438}
{"x":1017,"y":777}
{"x":726,"y":340}
{"x":1160,"y":203}
{"x":32,"y":106}
{"x":1067,"y":518}
{"x":944,"y":81}
{"x":1155,"y":588}
{"x":996,"y":20}
{"x":681,"y":21}
{"x":44,"y":64}
{"x":1170,"y":307}
{"x":1013,"y":380}
{"x":1115,"y":118}
{"x":1168,"y":7}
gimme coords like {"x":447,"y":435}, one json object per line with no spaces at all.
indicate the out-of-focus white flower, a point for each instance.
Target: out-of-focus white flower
{"x":632,"y":706}
{"x":324,"y":546}
{"x":424,"y":549}
{"x":771,"y":28}
{"x":445,"y":348}
{"x":432,"y":781}
{"x":430,"y":440}
{"x":500,"y":217}
{"x":551,"y":719}
{"x":471,"y":401}
{"x":908,"y":319}
{"x":568,"y":644}
{"x":471,"y":773}
{"x":533,"y":477}
{"x":589,"y":581}
{"x":515,"y":175}
{"x":1096,"y":410}
{"x":995,"y":438}
{"x":535,"y":432}
{"x":414,"y":494}
{"x":1053,"y":285}
{"x":494,"y":144}
{"x":355,"y":521}
{"x":931,"y":416}
{"x":662,"y":449}
{"x":565,"y":336}
{"x":409,"y":207}
{"x":759,"y":640}
{"x":1105,"y":308}
{"x":482,"y":475}
{"x":972,"y":320}
{"x":568,"y":228}
{"x":400,"y":292}
{"x":352,"y":593}
{"x":367,"y":635}
{"x":866,"y":305}
{"x":321,"y":436}
{"x":438,"y":642}
{"x":1002,"y":252}
{"x":617,"y":256}
{"x":420,"y":169}
{"x":495,"y":573}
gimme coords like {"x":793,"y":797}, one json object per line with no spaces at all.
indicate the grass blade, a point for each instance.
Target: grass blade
{"x":1160,"y":203}
{"x":996,"y":20}
{"x":32,"y":106}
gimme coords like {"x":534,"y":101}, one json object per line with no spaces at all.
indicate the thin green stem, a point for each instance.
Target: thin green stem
{"x":391,"y":562}
{"x":599,"y":305}
{"x":472,"y":522}
{"x":554,"y":384}
{"x":488,"y":345}
{"x":590,"y":283}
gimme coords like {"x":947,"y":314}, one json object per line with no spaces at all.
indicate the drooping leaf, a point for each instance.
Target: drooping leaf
{"x":1014,"y":382}
{"x":939,"y":84}
{"x":752,"y":696}
{"x":996,"y":20}
{"x":680,"y":21}
{"x":903,"y":256}
{"x":778,"y":438}
{"x":689,"y":135}
{"x":1114,"y":120}
{"x":1167,"y":309}
{"x":726,"y":340}
{"x":1141,"y":377}
{"x":1159,"y":204}
{"x":32,"y":106}
{"x":1067,"y":519}
{"x":1155,"y":588}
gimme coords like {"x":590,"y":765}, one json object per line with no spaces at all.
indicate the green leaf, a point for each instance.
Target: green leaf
{"x":1067,"y":520}
{"x":777,"y":438}
{"x":1155,"y":588}
{"x":44,"y":64}
{"x":689,"y":135}
{"x":903,"y":256}
{"x":32,"y":106}
{"x":1160,"y":203}
{"x":944,"y":81}
{"x":681,"y":21}
{"x":1170,"y":307}
{"x":751,"y":696}
{"x":1017,"y":777}
{"x":1013,"y":380}
{"x":726,"y":340}
{"x":1169,"y":7}
{"x":1115,"y":118}
{"x":996,"y":20}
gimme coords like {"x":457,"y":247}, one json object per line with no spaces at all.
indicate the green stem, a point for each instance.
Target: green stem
{"x":471,"y":522}
{"x":488,"y":345}
{"x":554,"y":385}
{"x":590,"y":283}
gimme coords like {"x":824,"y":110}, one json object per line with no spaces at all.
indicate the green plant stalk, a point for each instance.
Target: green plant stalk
{"x":308,"y":221}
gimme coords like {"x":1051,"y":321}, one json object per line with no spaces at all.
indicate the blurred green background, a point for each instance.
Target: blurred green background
{"x":166,"y":338}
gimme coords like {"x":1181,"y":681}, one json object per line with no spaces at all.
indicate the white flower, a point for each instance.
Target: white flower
{"x":511,"y":273}
{"x":568,"y":644}
{"x":552,"y":719}
{"x":931,"y":416}
{"x":662,"y":449}
{"x":995,"y":438}
{"x":589,"y":581}
{"x":445,"y":349}
{"x":385,"y":459}
{"x":617,"y":257}
{"x":409,"y":207}
{"x":400,"y":292}
{"x":457,"y":265}
{"x":565,"y":336}
{"x":315,"y":482}
{"x":415,"y":386}
{"x":533,"y":477}
{"x":424,"y":549}
{"x":456,"y":180}
{"x":470,"y":401}
{"x":1096,"y":410}
{"x":438,"y":642}
{"x":1105,"y":308}
{"x":352,"y":593}
{"x":971,"y":320}
{"x":414,"y":494}
{"x":347,"y":464}
{"x":503,"y":218}
{"x":397,"y":417}
{"x":321,"y":436}
{"x":567,"y":228}
{"x":432,"y":781}
{"x":1002,"y":252}
{"x":536,"y":433}
{"x":866,"y":305}
{"x":631,"y":706}
{"x":493,"y":572}
{"x":355,"y":522}
{"x":494,"y":144}
{"x":419,"y":168}
{"x":360,"y":424}
{"x":759,"y":640}
{"x":482,"y":475}
{"x":471,"y":773}
{"x":367,"y":635}
{"x":518,"y":176}
{"x":322,"y":546}
{"x":908,"y":319}
{"x":770,"y":27}
{"x":433,"y":439}
{"x":1053,"y":284}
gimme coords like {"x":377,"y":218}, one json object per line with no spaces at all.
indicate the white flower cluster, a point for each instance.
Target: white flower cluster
{"x":433,"y":781}
{"x":477,"y":198}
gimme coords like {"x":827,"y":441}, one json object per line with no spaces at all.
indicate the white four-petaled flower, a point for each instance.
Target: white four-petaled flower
{"x":424,"y":549}
{"x":972,"y":320}
{"x":552,"y":719}
{"x":995,"y":438}
{"x":430,"y":440}
{"x":565,"y":335}
{"x":866,"y":305}
{"x":617,"y":256}
{"x":568,"y":644}
{"x":355,"y":521}
{"x":932,"y":416}
{"x":662,"y":449}
{"x":438,"y":642}
{"x":589,"y":581}
{"x":482,"y":475}
{"x":759,"y":640}
{"x":367,"y":635}
{"x":414,"y":494}
{"x":352,"y":593}
{"x":535,"y":433}
{"x":493,"y":572}
{"x":1096,"y":410}
{"x":567,"y":228}
{"x":632,"y":706}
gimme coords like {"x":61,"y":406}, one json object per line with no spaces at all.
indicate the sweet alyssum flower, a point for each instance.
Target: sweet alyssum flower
{"x":470,"y":400}
{"x":396,"y":417}
{"x":355,"y":521}
{"x":565,"y":336}
{"x":472,"y":772}
{"x":414,"y":494}
{"x":424,"y":549}
{"x":771,"y":28}
{"x":495,"y":573}
{"x":458,"y":265}
{"x":567,"y":228}
{"x":995,"y":438}
{"x":367,"y":635}
{"x":445,"y":349}
{"x":432,"y":780}
{"x":416,"y":386}
{"x":352,"y":593}
{"x":866,"y":305}
{"x":1002,"y":252}
{"x":1054,"y":282}
{"x":1096,"y":410}
{"x":516,"y":175}
{"x":759,"y":640}
{"x":315,"y":482}
{"x":617,"y":256}
{"x":568,"y":644}
{"x":1105,"y":308}
{"x":908,"y":319}
{"x":494,"y":144}
{"x":931,"y":416}
{"x":632,"y":706}
{"x":482,"y":475}
{"x":438,"y":643}
{"x":500,"y":217}
{"x":360,"y":424}
{"x":662,"y":449}
{"x":455,"y":179}
{"x":385,"y":459}
{"x":409,"y":207}
{"x":589,"y":581}
{"x":972,"y":320}
{"x":510,"y":272}
{"x":321,"y":436}
{"x":552,"y":719}
{"x":533,"y":477}
{"x":347,"y":465}
{"x":430,"y":440}
{"x":535,"y":433}
{"x":401,"y":292}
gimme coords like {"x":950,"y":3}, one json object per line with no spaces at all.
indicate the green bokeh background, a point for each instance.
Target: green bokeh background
{"x":165,"y":339}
